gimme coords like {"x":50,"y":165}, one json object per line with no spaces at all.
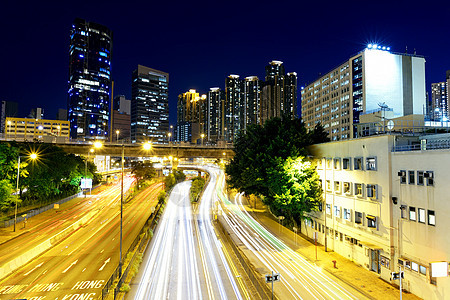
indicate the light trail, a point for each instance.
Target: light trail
{"x":300,"y":279}
{"x":183,"y":245}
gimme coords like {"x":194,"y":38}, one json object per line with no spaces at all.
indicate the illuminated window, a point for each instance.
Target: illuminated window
{"x":371,"y":163}
{"x":347,"y":214}
{"x":431,"y":218}
{"x":422,"y":270}
{"x":347,"y":188}
{"x":328,"y":187}
{"x":328,"y":208}
{"x":337,"y":211}
{"x":359,"y":189}
{"x":412,"y":213}
{"x":337,"y":186}
{"x":421,"y":215}
{"x":371,"y":221}
{"x":337,"y":163}
{"x":414,"y":266}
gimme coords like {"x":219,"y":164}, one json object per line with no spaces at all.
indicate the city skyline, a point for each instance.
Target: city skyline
{"x":199,"y":54}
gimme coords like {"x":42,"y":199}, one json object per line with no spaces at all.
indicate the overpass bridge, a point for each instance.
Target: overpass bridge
{"x":158,"y":150}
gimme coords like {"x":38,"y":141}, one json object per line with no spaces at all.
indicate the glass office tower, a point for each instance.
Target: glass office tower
{"x":89,"y":80}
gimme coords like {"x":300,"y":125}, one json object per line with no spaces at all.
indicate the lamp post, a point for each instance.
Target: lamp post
{"x":97,"y":145}
{"x":202,"y":136}
{"x":117,"y":138}
{"x":32,"y":156}
{"x":169,"y":135}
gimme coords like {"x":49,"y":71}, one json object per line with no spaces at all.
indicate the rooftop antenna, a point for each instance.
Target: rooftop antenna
{"x":406,"y":50}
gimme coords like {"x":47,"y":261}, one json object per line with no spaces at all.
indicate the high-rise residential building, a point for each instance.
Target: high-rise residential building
{"x":214,"y":116}
{"x":191,"y":108}
{"x":371,"y":80}
{"x":279,"y":92}
{"x":234,"y":107}
{"x":149,"y":105}
{"x":90,"y":55}
{"x":252,"y":99}
{"x":439,"y":100}
{"x":8,"y":109}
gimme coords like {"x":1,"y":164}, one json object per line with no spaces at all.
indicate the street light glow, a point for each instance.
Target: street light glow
{"x":147,"y":146}
{"x":97,"y":144}
{"x":33,"y":156}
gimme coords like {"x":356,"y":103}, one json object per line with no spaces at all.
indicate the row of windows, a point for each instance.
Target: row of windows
{"x":421,"y":177}
{"x":331,"y":232}
{"x":418,"y":214}
{"x":369,"y":164}
{"x":359,"y":189}
{"x":346,"y":214}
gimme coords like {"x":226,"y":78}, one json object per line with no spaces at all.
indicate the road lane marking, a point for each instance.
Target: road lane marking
{"x":106,"y":261}
{"x":27,"y":273}
{"x":70,"y":266}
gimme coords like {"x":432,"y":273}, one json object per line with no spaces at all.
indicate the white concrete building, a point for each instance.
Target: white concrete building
{"x":386,"y":199}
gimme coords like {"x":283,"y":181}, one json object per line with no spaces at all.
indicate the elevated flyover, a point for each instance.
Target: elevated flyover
{"x":137,"y":150}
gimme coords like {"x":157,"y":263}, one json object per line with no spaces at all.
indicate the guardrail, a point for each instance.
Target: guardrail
{"x":428,"y":145}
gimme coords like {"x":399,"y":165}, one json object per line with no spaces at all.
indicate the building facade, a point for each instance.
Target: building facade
{"x":90,"y":55}
{"x":252,"y":101}
{"x":234,"y":107}
{"x":23,"y":129}
{"x":279,"y":92}
{"x":214,"y":116}
{"x":372,"y":78}
{"x":439,"y":100}
{"x":385,"y":207}
{"x":149,"y":105}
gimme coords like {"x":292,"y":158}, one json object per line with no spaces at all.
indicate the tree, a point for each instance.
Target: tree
{"x":7,"y":199}
{"x":265,"y":162}
{"x":143,"y":171}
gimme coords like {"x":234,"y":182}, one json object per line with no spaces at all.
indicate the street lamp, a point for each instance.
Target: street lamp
{"x":32,"y":156}
{"x":97,"y":145}
{"x":117,"y":133}
{"x":169,"y":135}
{"x":202,"y":136}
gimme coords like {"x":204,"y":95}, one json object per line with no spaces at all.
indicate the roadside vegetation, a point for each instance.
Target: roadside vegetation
{"x":53,"y":175}
{"x":196,"y":188}
{"x":271,"y":162}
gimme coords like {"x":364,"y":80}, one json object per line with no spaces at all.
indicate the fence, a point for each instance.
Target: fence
{"x":34,"y":212}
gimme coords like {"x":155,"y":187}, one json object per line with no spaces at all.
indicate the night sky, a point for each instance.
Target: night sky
{"x":200,"y":43}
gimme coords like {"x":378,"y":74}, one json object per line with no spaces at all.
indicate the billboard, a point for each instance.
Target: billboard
{"x":86,"y":183}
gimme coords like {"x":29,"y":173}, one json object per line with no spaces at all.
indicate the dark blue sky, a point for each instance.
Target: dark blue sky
{"x":200,"y":43}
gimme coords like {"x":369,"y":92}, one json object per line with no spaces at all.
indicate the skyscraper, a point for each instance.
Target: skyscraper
{"x":215,"y":104}
{"x":234,"y":107}
{"x":8,"y":109}
{"x":191,"y":108}
{"x":371,"y":78}
{"x":439,"y":99}
{"x":149,"y":105}
{"x":279,"y":92}
{"x":90,"y":55}
{"x":252,"y":99}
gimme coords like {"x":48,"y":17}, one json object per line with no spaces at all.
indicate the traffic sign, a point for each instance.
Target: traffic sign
{"x":273,"y":277}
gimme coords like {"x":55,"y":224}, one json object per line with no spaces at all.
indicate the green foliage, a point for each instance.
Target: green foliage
{"x":196,"y":188}
{"x":143,"y":170}
{"x":169,"y":181}
{"x":179,"y":176}
{"x":125,"y":288}
{"x":264,"y":162}
{"x":54,"y":174}
{"x":7,"y":199}
{"x":162,"y":197}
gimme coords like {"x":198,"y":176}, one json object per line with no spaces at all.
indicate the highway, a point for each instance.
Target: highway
{"x":186,"y":260}
{"x":300,"y":279}
{"x":80,"y":265}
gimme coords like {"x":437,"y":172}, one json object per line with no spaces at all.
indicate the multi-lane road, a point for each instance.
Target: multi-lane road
{"x":186,"y":259}
{"x":300,"y":279}
{"x":80,"y":265}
